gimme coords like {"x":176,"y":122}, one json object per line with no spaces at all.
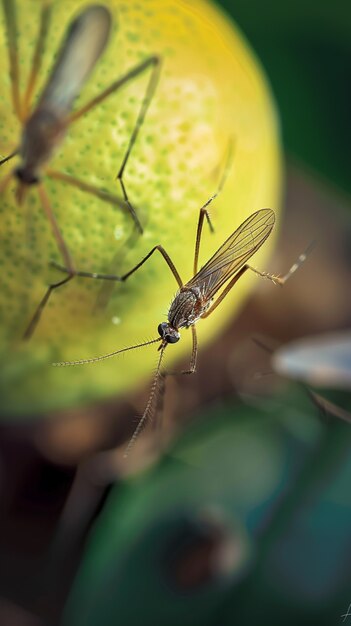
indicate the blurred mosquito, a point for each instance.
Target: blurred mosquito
{"x":195,"y":299}
{"x":44,"y":128}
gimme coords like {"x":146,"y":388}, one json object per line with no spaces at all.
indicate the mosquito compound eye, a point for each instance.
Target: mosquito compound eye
{"x":162,"y":329}
{"x":172,"y":338}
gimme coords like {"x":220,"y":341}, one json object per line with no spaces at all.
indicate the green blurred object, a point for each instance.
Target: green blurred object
{"x":274,"y":479}
{"x":305,"y":48}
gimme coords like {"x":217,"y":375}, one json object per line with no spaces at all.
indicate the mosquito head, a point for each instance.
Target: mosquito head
{"x":26,"y":176}
{"x":168,"y":333}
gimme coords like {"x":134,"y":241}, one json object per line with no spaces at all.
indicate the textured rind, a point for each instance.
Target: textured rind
{"x":211,"y":89}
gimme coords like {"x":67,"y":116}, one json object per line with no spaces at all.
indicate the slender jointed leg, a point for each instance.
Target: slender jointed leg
{"x":105,"y":196}
{"x":45,"y":17}
{"x":193,"y":358}
{"x":204,"y":212}
{"x":9,"y":8}
{"x":5,"y":181}
{"x":226,"y":290}
{"x":192,"y":367}
{"x":66,"y":256}
{"x":125,"y":276}
{"x":62,"y":246}
{"x":158,"y":389}
{"x":43,"y":302}
{"x":153,"y":62}
{"x":149,"y":409}
{"x":73,"y":272}
{"x":281,"y":280}
{"x":277,"y":280}
{"x":10,"y":156}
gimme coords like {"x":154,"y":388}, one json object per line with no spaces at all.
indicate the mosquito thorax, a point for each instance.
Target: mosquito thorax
{"x":42,"y":134}
{"x":168,"y":333}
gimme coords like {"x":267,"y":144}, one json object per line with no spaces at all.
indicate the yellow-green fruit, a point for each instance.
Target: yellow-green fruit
{"x":211,"y":91}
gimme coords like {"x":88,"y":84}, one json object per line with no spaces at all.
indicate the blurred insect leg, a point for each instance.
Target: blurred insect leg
{"x":281,"y":280}
{"x":10,"y":156}
{"x":9,"y":7}
{"x":41,"y":306}
{"x":66,"y":258}
{"x":203,"y":211}
{"x":149,"y":409}
{"x":95,"y":191}
{"x":126,"y":276}
{"x":45,"y":16}
{"x":150,"y":90}
{"x":155,"y":63}
{"x":5,"y":181}
{"x":226,"y":291}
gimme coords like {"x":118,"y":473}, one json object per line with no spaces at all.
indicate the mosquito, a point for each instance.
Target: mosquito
{"x":199,"y":297}
{"x":45,"y":126}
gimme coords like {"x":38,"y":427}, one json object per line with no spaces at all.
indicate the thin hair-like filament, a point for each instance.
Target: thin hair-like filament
{"x":150,"y":402}
{"x":105,"y":356}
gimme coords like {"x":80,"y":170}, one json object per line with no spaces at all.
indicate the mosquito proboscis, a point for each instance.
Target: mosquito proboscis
{"x":44,"y":127}
{"x":197,"y":299}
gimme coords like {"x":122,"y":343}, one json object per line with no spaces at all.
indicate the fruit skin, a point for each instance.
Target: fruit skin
{"x":211,"y":89}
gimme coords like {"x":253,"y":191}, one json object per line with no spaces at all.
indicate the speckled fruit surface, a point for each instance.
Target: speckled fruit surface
{"x":211,"y":89}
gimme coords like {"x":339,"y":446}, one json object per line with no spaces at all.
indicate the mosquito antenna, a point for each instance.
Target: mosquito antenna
{"x":150,"y":403}
{"x":105,"y":356}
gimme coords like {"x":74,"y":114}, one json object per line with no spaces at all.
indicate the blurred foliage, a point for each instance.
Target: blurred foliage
{"x":305,"y":48}
{"x":276,"y":477}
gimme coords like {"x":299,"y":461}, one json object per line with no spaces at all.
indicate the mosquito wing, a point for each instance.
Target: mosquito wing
{"x":85,"y":41}
{"x":234,"y":253}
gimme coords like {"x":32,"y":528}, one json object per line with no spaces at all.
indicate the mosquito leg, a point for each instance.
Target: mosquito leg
{"x":204,"y":212}
{"x":126,"y":276}
{"x":277,"y":280}
{"x":281,"y":280}
{"x":95,"y":191}
{"x":9,"y":8}
{"x":150,"y":90}
{"x":193,"y":358}
{"x":149,"y":409}
{"x":65,"y":256}
{"x":163,"y":380}
{"x":41,"y":306}
{"x":45,"y":16}
{"x":10,"y":156}
{"x":5,"y":181}
{"x":155,"y":63}
{"x":226,"y":290}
